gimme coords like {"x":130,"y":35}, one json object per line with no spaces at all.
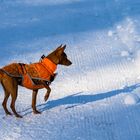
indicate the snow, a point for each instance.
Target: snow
{"x":97,"y":98}
{"x":110,"y":33}
{"x":131,"y":99}
{"x":125,"y":53}
{"x":48,"y":2}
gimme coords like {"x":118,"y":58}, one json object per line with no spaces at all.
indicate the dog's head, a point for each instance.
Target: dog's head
{"x":59,"y":56}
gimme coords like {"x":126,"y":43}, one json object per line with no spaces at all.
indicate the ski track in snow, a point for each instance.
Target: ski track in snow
{"x":97,"y":98}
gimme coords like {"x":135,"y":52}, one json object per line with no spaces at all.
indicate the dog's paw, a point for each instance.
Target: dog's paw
{"x":36,"y":112}
{"x":8,"y":113}
{"x":19,"y":116}
{"x":46,"y":97}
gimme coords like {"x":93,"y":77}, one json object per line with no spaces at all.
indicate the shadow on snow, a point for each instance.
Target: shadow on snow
{"x":77,"y":99}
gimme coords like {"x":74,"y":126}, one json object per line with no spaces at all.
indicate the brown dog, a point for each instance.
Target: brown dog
{"x":16,"y":74}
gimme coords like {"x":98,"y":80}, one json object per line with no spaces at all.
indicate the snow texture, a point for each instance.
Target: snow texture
{"x":97,"y":98}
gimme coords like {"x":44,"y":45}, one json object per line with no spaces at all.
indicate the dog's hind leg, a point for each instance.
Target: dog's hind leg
{"x":4,"y":103}
{"x":14,"y":97}
{"x":34,"y":96}
{"x":4,"y":84}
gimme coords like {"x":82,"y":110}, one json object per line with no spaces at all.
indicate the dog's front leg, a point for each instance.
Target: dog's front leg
{"x":47,"y":93}
{"x":34,"y":96}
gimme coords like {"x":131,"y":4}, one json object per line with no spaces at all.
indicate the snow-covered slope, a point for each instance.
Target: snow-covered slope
{"x":97,"y":98}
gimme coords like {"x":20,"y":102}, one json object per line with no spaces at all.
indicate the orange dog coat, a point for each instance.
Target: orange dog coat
{"x":45,"y":69}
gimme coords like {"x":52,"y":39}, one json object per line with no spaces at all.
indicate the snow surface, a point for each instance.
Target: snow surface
{"x":97,"y":98}
{"x":131,"y":99}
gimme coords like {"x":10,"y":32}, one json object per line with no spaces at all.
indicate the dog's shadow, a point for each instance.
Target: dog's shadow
{"x":79,"y":99}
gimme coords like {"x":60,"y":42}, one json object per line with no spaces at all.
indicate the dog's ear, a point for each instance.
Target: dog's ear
{"x":64,"y":47}
{"x":59,"y":47}
{"x":60,"y":50}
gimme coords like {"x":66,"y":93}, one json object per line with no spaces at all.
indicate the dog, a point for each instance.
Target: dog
{"x":29,"y":76}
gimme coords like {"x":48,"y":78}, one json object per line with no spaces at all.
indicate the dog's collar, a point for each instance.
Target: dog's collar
{"x":49,"y":65}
